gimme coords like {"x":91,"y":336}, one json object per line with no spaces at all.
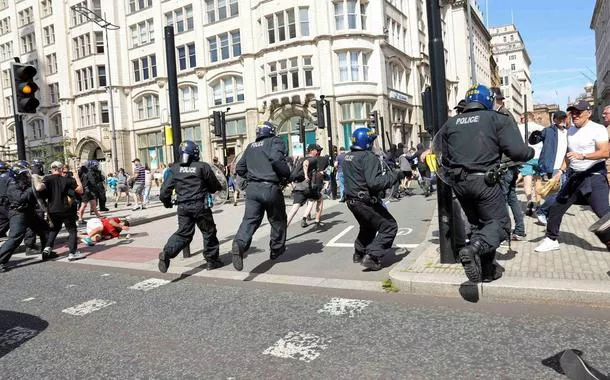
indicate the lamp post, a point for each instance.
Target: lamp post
{"x":525,"y":136}
{"x":102,"y":23}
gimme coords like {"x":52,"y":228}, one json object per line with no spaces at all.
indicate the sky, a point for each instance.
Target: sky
{"x":558,"y":39}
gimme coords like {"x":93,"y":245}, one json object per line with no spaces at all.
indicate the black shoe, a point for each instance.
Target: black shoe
{"x":214,"y":264}
{"x":319,"y":224}
{"x":372,"y":262}
{"x":4,"y":268}
{"x":104,"y":209}
{"x":492,"y":272}
{"x":163,"y":263}
{"x":304,"y":223}
{"x":276,"y":253}
{"x":49,"y":256}
{"x":471,"y":261}
{"x":238,"y":256}
{"x":530,"y":209}
{"x":116,"y":205}
{"x":357,"y":257}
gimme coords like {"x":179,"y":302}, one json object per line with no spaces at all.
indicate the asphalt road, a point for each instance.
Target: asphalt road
{"x":60,"y":320}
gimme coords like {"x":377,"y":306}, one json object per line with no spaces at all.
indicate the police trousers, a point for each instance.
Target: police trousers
{"x":191,"y":214}
{"x":4,"y":220}
{"x":378,"y":227}
{"x":30,"y":236}
{"x":263,"y":197}
{"x":19,"y":222}
{"x":485,"y":208}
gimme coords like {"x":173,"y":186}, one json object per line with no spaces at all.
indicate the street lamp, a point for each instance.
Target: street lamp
{"x":102,"y":23}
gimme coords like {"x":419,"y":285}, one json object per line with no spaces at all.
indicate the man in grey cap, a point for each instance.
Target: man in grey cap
{"x":499,"y":101}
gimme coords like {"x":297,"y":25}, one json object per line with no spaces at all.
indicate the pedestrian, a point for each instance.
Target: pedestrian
{"x":468,"y":172}
{"x":58,"y":190}
{"x":585,"y":169}
{"x":104,"y":229}
{"x":606,"y":117}
{"x":339,"y":168}
{"x":220,"y":166}
{"x":112,"y":183}
{"x":194,"y":182}
{"x":364,"y":182}
{"x":405,"y":168}
{"x":5,"y":177}
{"x":148,"y":179}
{"x":304,"y":187}
{"x":234,"y":181}
{"x":37,"y":173}
{"x":89,"y":194}
{"x":139,"y":182}
{"x":263,"y":165}
{"x":122,"y":188}
{"x":530,"y":171}
{"x":22,"y":215}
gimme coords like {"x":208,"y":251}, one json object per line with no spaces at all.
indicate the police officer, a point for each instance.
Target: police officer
{"x":193,"y":181}
{"x":99,"y":188}
{"x":473,"y":175}
{"x":5,"y":177}
{"x":364,"y":183}
{"x":22,"y":214}
{"x":30,"y":237}
{"x":264,"y":166}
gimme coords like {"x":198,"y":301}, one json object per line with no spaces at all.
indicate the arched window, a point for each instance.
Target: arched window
{"x":228,"y":90}
{"x":147,"y":107}
{"x":37,"y":129}
{"x":189,"y":95}
{"x":55,"y":127}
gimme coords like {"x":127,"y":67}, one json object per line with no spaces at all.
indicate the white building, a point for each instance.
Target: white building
{"x":265,"y":60}
{"x":509,"y":51}
{"x":600,"y":23}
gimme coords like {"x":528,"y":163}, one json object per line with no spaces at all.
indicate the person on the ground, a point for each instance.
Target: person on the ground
{"x":364,"y":182}
{"x":585,"y":169}
{"x":304,"y":183}
{"x":89,"y":194}
{"x":264,"y":166}
{"x":467,"y":169}
{"x":339,"y":168}
{"x":193,"y":181}
{"x":530,"y":171}
{"x":139,"y":175}
{"x":104,"y":229}
{"x":122,"y":188}
{"x":57,"y":190}
{"x":5,"y":177}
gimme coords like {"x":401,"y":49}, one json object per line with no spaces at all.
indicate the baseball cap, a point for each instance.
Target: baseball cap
{"x":559,"y":115}
{"x":135,"y":159}
{"x":497,"y":92}
{"x":311,"y":147}
{"x":462,"y":103}
{"x":582,"y":105}
{"x":57,"y":165}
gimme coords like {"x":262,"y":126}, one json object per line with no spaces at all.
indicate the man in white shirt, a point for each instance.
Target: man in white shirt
{"x":585,"y":169}
{"x":530,"y":170}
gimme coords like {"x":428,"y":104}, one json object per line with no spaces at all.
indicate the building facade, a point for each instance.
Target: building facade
{"x":253,"y":60}
{"x":600,"y":23}
{"x":509,"y":51}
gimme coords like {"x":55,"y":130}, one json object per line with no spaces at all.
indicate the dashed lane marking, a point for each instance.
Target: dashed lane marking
{"x":149,"y":284}
{"x":401,"y":232}
{"x":87,"y":307}
{"x":28,"y":299}
{"x":344,"y":306}
{"x":300,"y":346}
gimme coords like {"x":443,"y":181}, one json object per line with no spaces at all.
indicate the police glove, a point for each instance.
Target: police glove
{"x":168,"y":204}
{"x":535,"y":137}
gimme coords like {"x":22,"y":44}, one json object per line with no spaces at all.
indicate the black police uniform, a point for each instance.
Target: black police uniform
{"x":30,"y":236}
{"x":193,"y":183}
{"x":492,"y":134}
{"x":100,"y":189}
{"x":364,"y":182}
{"x":22,"y":214}
{"x":4,"y":220}
{"x":264,"y":166}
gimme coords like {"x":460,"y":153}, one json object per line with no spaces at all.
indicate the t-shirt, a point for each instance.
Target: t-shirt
{"x":112,"y":182}
{"x":109,"y":229}
{"x":405,"y":165}
{"x":562,"y":147}
{"x":140,"y":174}
{"x":57,"y":190}
{"x":582,"y":140}
{"x":531,"y":127}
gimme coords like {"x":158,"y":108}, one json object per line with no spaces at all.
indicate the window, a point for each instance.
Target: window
{"x":236,"y":127}
{"x":46,"y":8}
{"x":150,"y":149}
{"x":55,"y":127}
{"x":49,"y":35}
{"x":101,"y":76}
{"x":105,"y":116}
{"x":304,"y":21}
{"x":37,"y":129}
{"x":353,"y":115}
{"x":353,"y":66}
{"x":512,"y":57}
{"x":99,"y":43}
{"x":147,"y":107}
{"x":142,"y":33}
{"x":144,"y":68}
{"x":84,"y":79}
{"x":26,"y":16}
{"x":224,"y":40}
{"x":28,"y":43}
{"x":288,"y":73}
{"x":228,"y":90}
{"x":512,"y":67}
{"x":5,"y":26}
{"x":137,"y":5}
{"x":188,"y":98}
{"x":221,"y":9}
{"x":3,"y":4}
{"x":6,"y":78}
{"x":181,"y":18}
{"x":81,"y":46}
{"x":51,"y":63}
{"x":54,"y":93}
{"x":87,"y":114}
{"x":193,"y":133}
{"x":187,"y":58}
{"x":350,"y":14}
{"x":283,"y":25}
{"x":6,"y":50}
{"x":76,"y":17}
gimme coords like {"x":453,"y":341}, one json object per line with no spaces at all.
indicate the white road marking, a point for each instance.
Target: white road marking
{"x":342,"y":306}
{"x":404,"y":231}
{"x":149,"y":284}
{"x":29,"y":299}
{"x":15,"y":336}
{"x":341,"y":234}
{"x":87,"y":307}
{"x":105,"y":275}
{"x":333,"y":242}
{"x":70,"y":286}
{"x":297,"y":345}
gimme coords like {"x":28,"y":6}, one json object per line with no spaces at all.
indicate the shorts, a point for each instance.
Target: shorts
{"x":93,"y":224}
{"x":122,"y":189}
{"x":138,"y":188}
{"x":299,"y":197}
{"x":530,"y":168}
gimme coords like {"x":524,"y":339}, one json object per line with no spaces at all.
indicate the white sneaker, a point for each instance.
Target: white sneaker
{"x":76,"y":256}
{"x":547,"y":245}
{"x":137,"y":207}
{"x":541,"y":219}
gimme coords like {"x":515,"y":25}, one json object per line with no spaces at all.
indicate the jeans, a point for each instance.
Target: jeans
{"x":341,"y":181}
{"x":508,"y":184}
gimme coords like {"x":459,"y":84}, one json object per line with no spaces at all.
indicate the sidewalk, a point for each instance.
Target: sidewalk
{"x":579,"y":272}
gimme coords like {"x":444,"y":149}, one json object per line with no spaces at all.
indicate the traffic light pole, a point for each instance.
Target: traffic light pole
{"x":331,"y":153}
{"x":19,"y":137}
{"x":223,"y":123}
{"x":115,"y":154}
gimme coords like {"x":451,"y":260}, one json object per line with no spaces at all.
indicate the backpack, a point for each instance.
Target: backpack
{"x":297,"y":174}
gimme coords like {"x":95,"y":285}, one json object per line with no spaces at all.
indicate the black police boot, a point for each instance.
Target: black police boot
{"x":372,"y":262}
{"x":163,"y":262}
{"x":214,"y":264}
{"x":357,"y":257}
{"x":238,"y":256}
{"x":471,"y":261}
{"x":490,"y":269}
{"x":276,"y":253}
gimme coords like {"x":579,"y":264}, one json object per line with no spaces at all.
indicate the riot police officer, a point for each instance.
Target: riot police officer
{"x":474,"y":174}
{"x":194,"y":182}
{"x":364,"y":184}
{"x":37,"y":176}
{"x":264,"y":166}
{"x":96,"y":178}
{"x":22,"y":214}
{"x":5,"y":177}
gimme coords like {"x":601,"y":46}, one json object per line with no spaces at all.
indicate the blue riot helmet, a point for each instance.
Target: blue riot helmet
{"x":38,"y":166}
{"x":189,"y":152}
{"x":363,"y":138}
{"x":265,"y":129}
{"x":481,"y":94}
{"x":4,"y":167}
{"x":23,"y":164}
{"x":93,"y":164}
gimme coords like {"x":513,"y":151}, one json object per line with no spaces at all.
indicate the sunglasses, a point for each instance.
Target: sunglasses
{"x":576,"y":112}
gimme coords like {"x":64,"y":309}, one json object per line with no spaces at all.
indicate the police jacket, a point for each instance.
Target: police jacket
{"x":362,"y":174}
{"x":475,"y":140}
{"x":4,"y":180}
{"x":21,"y":196}
{"x":264,"y":161}
{"x":192,"y":182}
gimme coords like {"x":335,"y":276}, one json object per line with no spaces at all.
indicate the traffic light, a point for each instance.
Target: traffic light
{"x":302,"y":133}
{"x":217,"y":123}
{"x":320,"y":114}
{"x":24,"y":88}
{"x":373,"y":120}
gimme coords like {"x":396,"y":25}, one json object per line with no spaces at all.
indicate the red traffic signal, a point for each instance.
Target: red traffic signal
{"x":24,"y":88}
